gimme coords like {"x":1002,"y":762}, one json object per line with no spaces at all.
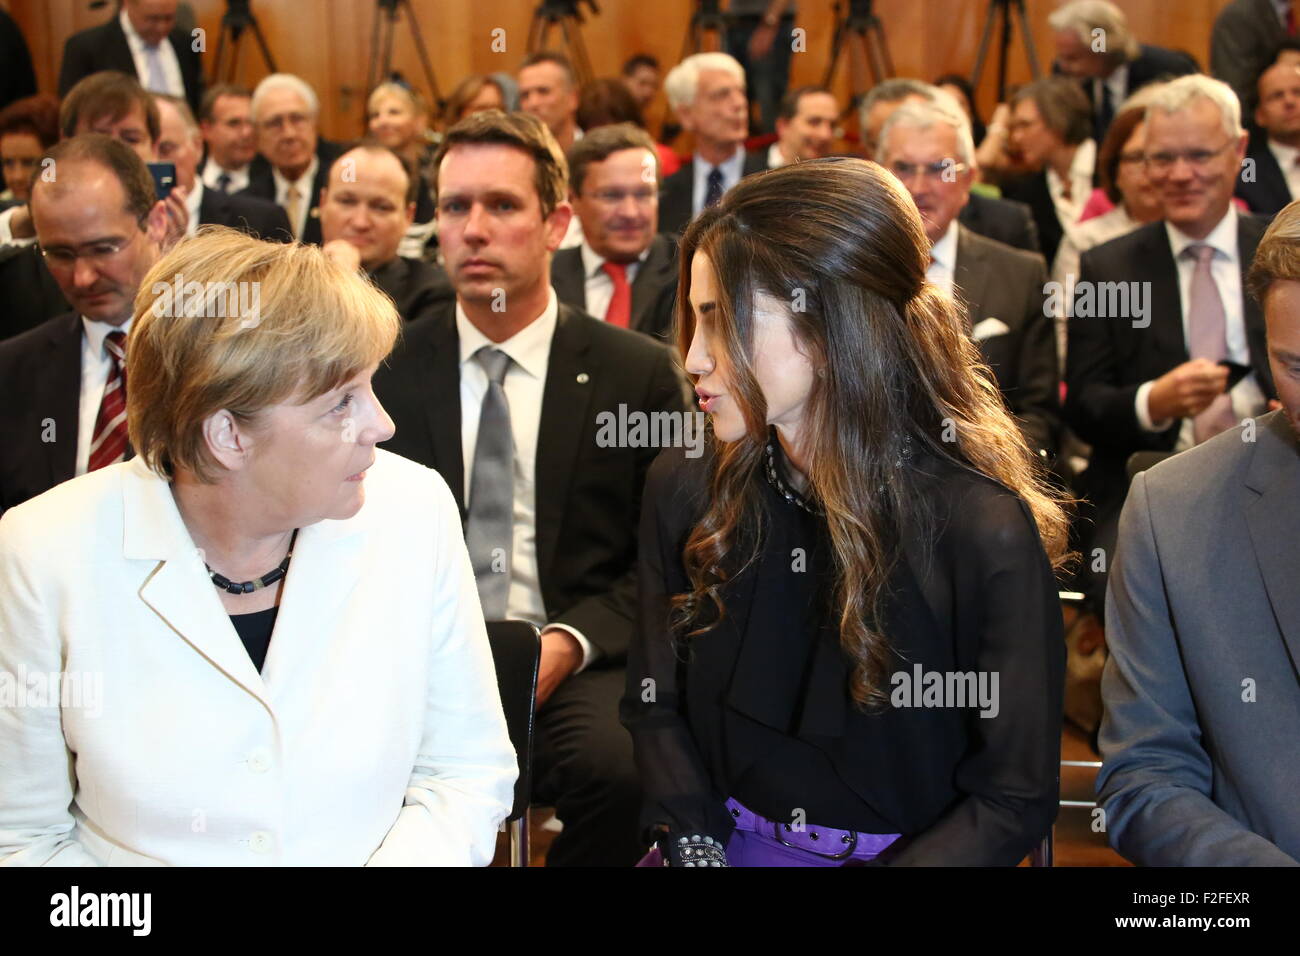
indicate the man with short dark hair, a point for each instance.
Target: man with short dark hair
{"x":368,"y":205}
{"x":805,"y":126}
{"x":62,"y":384}
{"x":226,"y":122}
{"x":548,"y":89}
{"x":1270,"y":179}
{"x":142,"y":41}
{"x":1202,"y":701}
{"x":641,"y":75}
{"x":501,"y":391}
{"x":624,"y":272}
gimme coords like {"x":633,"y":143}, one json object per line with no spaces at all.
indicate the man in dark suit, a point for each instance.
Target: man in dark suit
{"x":1243,"y":42}
{"x":180,"y":144}
{"x":805,"y":126}
{"x":1202,"y":699}
{"x":30,"y":292}
{"x":293,"y":163}
{"x":1003,"y":288}
{"x":17,"y":78}
{"x":707,"y":92}
{"x":623,"y":272}
{"x":1001,"y":219}
{"x":101,"y":232}
{"x":367,"y":207}
{"x":1158,"y":311}
{"x":1120,"y":68}
{"x":141,"y":41}
{"x":510,"y":395}
{"x":1271,"y":177}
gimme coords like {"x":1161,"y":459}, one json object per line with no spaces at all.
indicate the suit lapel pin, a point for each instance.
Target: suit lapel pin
{"x":583,"y":378}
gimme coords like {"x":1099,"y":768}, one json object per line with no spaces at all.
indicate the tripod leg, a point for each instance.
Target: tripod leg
{"x":837,"y":44}
{"x":423,"y":53}
{"x":263,"y":46}
{"x":878,"y":33}
{"x":983,"y":53}
{"x":1029,"y":39}
{"x":216,"y":63}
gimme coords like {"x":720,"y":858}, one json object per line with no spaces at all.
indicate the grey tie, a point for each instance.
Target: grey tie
{"x":1207,"y":335}
{"x":489,"y":532}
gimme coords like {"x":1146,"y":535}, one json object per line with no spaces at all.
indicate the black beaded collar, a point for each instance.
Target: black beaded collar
{"x":248,"y":587}
{"x":789,"y":494}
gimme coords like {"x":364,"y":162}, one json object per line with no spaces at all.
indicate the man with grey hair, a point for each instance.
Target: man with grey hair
{"x":1164,"y":350}
{"x":1004,"y":220}
{"x":707,"y":92}
{"x":1095,"y":45}
{"x":927,"y":145}
{"x":292,"y":165}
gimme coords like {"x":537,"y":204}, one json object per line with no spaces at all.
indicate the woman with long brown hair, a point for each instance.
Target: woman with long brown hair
{"x":850,"y":645}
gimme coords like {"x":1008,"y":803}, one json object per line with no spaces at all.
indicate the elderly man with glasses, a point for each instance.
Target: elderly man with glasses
{"x":1165,"y":350}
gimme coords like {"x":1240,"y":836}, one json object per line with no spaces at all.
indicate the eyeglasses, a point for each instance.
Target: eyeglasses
{"x":96,"y":253}
{"x":945,"y":170}
{"x":285,"y":119}
{"x":1134,"y":157}
{"x":1198,"y":159}
{"x":614,"y":197}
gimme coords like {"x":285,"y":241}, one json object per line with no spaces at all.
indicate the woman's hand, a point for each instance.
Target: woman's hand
{"x":178,"y":216}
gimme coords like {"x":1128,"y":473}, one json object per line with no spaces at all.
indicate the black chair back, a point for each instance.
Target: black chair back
{"x":516,"y":650}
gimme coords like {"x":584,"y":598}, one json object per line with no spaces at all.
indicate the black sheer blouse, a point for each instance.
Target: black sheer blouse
{"x":759,"y":707}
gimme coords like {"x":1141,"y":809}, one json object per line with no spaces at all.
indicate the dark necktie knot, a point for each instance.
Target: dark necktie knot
{"x":713,"y":194}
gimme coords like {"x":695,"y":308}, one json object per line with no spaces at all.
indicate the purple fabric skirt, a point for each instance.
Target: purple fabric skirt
{"x":758,"y":841}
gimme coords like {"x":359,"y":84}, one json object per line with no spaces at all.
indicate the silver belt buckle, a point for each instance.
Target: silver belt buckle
{"x":843,"y":855}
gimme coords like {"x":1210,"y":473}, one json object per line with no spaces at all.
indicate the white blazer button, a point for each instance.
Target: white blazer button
{"x":259,"y":761}
{"x":260,"y":842}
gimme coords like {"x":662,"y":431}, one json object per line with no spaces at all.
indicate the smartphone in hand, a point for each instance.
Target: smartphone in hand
{"x":164,"y":178}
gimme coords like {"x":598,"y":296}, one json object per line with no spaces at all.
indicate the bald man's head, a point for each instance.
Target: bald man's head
{"x":369,"y":202}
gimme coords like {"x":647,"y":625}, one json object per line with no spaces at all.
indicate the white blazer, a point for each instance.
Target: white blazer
{"x":374,"y":734}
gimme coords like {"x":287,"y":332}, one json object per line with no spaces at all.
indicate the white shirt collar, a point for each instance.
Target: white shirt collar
{"x":731,"y":168}
{"x":192,"y":203}
{"x":944,"y":252}
{"x":1285,"y":155}
{"x":529,"y":348}
{"x":775,"y":157}
{"x":303,"y":182}
{"x":96,"y":332}
{"x":593,"y":260}
{"x":1223,"y":237}
{"x":212,"y":171}
{"x":133,"y":39}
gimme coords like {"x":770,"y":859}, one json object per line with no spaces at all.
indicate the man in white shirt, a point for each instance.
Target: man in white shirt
{"x":226,"y":122}
{"x":805,"y":126}
{"x":501,"y":391}
{"x":1184,"y":355}
{"x":1271,"y":177}
{"x":142,"y":41}
{"x":624,"y":272}
{"x":928,"y":146}
{"x":293,"y":162}
{"x":101,"y":231}
{"x":707,"y":92}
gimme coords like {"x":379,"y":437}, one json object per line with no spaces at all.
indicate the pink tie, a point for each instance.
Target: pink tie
{"x":1207,"y":327}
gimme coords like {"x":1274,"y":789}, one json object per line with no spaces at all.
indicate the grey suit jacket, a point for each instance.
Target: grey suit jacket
{"x":1199,"y":738}
{"x":1243,"y":41}
{"x":1006,"y":287}
{"x":654,"y":290}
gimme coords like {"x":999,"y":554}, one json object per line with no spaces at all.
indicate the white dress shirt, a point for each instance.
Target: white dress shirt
{"x":306,"y":200}
{"x":1080,"y":176}
{"x":212,"y":173}
{"x":775,"y":158}
{"x":175,"y":82}
{"x":1247,"y":397}
{"x":599,"y":286}
{"x":525,"y":381}
{"x":1288,"y":158}
{"x":192,"y":203}
{"x":943,"y":268}
{"x":95,"y":366}
{"x":7,"y":237}
{"x":732,"y":170}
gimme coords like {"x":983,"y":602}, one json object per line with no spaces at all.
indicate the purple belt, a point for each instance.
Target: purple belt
{"x":828,"y":843}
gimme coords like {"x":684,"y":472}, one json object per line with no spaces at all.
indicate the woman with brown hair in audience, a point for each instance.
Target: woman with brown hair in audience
{"x":850,"y":647}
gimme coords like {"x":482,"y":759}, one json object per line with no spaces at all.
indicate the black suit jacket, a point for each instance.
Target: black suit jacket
{"x":1108,"y":359}
{"x":1266,"y":191}
{"x":654,"y":290}
{"x":1005,"y":220}
{"x":676,"y":199}
{"x":1153,"y":63}
{"x":1243,"y":42}
{"x":1033,"y":192}
{"x":40,"y":388}
{"x":261,"y":185}
{"x":17,"y":78}
{"x":418,"y":288}
{"x":1009,"y":285}
{"x":588,"y":497}
{"x":257,"y":217}
{"x":31,"y":295}
{"x":105,"y":48}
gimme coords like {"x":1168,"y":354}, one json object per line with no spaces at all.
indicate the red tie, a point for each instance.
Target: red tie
{"x":619,"y":311}
{"x":109,"y":442}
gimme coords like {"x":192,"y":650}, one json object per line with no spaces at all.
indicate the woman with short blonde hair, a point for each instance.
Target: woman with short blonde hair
{"x":281,"y":618}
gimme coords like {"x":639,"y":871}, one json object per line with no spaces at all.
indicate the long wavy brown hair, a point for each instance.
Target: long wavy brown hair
{"x":840,"y":240}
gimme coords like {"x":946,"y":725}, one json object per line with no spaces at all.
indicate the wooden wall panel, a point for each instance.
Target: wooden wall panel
{"x":328,"y":41}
